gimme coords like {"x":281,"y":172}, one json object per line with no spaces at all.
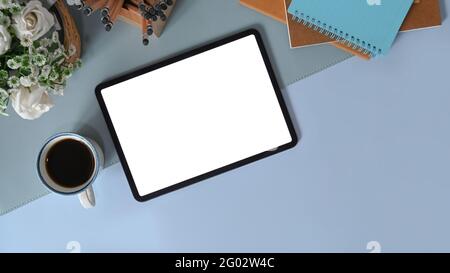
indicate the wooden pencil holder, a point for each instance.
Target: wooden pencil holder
{"x":150,"y":16}
{"x":71,"y":34}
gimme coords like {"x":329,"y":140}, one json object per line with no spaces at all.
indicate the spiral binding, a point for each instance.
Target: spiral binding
{"x":336,"y":34}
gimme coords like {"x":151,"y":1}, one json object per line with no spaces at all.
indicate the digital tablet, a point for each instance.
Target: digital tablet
{"x":196,"y":115}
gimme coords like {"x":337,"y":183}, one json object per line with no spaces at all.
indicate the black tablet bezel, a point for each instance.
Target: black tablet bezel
{"x":178,"y":58}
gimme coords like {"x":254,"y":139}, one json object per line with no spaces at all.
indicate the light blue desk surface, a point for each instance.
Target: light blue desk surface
{"x":373,"y":164}
{"x":107,"y":54}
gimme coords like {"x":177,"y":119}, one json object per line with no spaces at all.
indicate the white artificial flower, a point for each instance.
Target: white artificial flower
{"x":45,"y":42}
{"x":5,"y":21}
{"x":5,"y":4}
{"x":33,"y":79}
{"x":5,"y":40}
{"x":33,"y":21}
{"x":53,"y":76}
{"x":30,"y":103}
{"x":11,"y":63}
{"x":55,"y":37}
{"x":34,"y":70}
{"x":46,"y":71}
{"x":26,"y":81}
{"x":58,"y":53}
{"x":42,"y":50}
{"x":13,"y":82}
{"x":39,"y":60}
{"x":26,"y":41}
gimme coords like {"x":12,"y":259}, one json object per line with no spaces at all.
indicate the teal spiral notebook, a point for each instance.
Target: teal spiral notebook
{"x":369,"y":26}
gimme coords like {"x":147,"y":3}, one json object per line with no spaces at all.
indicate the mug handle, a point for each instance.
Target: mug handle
{"x":87,"y":198}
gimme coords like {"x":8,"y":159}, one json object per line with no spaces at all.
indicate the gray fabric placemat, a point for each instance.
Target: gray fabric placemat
{"x":105,"y":55}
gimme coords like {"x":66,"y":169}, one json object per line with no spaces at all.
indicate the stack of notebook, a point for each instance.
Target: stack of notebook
{"x":366,"y":28}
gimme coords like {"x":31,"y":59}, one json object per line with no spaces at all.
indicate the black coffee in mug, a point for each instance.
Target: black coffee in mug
{"x":70,"y":163}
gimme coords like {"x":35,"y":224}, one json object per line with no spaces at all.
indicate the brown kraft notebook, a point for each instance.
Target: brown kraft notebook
{"x":271,"y":8}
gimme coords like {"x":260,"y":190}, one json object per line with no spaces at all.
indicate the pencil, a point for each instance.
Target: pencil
{"x":130,"y":13}
{"x":161,"y":5}
{"x":149,"y":2}
{"x":159,"y":10}
{"x":105,"y":19}
{"x":113,"y":13}
{"x":93,"y":5}
{"x":140,"y":4}
{"x":149,"y":28}
{"x":136,"y":2}
{"x":145,"y":39}
{"x":106,"y":9}
{"x":133,"y":9}
{"x":80,"y":6}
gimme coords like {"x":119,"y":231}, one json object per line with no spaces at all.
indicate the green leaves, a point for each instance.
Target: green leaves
{"x":3,"y":75}
{"x":45,"y":61}
{"x":15,"y":8}
{"x":4,"y":98}
{"x":29,"y":64}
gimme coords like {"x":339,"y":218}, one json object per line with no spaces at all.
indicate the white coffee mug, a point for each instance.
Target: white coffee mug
{"x":84,"y":190}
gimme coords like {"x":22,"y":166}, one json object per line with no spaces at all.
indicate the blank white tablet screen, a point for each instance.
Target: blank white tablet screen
{"x":196,"y":115}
